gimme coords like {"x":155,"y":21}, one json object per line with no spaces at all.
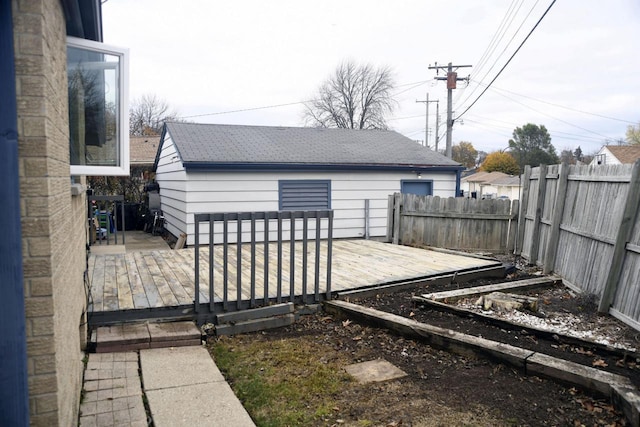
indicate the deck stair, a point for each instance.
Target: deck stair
{"x":257,"y":319}
{"x":137,"y":336}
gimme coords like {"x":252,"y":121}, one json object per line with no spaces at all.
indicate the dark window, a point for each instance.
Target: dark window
{"x":418,"y":186}
{"x":304,"y":195}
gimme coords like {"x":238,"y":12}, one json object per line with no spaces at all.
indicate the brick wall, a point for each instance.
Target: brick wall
{"x":53,"y":222}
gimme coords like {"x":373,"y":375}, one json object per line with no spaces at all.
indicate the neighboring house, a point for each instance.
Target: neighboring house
{"x":142,"y":153}
{"x":50,"y":126}
{"x":227,"y":168}
{"x":491,"y":185}
{"x":616,"y":155}
{"x":508,"y":187}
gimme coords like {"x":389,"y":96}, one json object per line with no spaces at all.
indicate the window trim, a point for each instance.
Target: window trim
{"x":282,"y":182}
{"x":123,"y":94}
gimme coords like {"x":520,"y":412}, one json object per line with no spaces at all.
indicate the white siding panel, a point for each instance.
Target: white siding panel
{"x":172,"y":178}
{"x":201,"y":192}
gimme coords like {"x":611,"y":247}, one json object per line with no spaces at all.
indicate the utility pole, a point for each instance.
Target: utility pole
{"x":426,"y":131}
{"x":452,"y":79}
{"x":437,"y":124}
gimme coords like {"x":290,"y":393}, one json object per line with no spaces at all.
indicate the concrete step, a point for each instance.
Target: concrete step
{"x":137,"y":336}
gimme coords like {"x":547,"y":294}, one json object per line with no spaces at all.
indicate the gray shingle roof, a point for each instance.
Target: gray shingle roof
{"x":213,"y":144}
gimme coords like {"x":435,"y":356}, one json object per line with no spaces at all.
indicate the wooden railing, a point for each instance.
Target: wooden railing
{"x":261,"y":234}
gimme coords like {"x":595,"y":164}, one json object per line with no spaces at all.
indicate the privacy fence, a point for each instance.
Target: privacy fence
{"x":582,"y":223}
{"x":454,"y":223}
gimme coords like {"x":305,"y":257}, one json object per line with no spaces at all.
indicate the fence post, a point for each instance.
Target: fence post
{"x":512,"y":231}
{"x":554,"y":233}
{"x":390,"y":200}
{"x":535,"y":242}
{"x":624,"y":235}
{"x":396,"y":218}
{"x":366,"y":219}
{"x":524,"y":204}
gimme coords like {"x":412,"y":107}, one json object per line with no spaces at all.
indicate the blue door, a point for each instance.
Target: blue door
{"x":417,"y":186}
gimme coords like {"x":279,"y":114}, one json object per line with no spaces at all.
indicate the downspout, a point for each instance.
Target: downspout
{"x":14,"y":394}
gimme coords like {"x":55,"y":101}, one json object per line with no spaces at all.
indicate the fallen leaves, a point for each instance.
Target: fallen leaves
{"x":600,"y":363}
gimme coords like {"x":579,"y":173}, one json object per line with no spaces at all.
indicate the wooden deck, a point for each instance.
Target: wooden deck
{"x":132,"y":285}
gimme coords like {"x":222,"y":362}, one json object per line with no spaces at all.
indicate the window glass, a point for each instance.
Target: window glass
{"x":98,"y":123}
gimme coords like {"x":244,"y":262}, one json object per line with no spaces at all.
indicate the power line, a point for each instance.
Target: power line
{"x":509,"y":60}
{"x":562,"y":106}
{"x":493,"y":44}
{"x":503,"y":50}
{"x":265,"y":107}
{"x":246,"y":109}
{"x":554,"y":132}
{"x":550,"y":116}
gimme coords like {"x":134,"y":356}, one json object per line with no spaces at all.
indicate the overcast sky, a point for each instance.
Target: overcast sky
{"x":578,"y":74}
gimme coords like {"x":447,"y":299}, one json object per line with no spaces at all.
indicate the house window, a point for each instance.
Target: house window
{"x":97,"y":77}
{"x":304,"y":195}
{"x":600,"y":159}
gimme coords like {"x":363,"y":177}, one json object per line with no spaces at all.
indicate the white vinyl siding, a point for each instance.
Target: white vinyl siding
{"x":188,"y":193}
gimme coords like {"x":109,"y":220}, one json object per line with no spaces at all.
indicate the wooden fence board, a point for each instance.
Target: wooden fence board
{"x":592,"y":204}
{"x":456,"y":223}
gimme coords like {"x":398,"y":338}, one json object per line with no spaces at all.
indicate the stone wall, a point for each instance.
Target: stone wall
{"x":53,"y":221}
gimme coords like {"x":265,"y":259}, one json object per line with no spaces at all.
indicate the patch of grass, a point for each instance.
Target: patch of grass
{"x":284,"y":382}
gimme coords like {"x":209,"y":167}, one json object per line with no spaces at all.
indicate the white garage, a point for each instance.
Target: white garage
{"x":206,"y":168}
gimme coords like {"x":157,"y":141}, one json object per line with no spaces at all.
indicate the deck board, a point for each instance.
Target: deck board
{"x":137,"y":289}
{"x":150,"y":290}
{"x":155,"y":279}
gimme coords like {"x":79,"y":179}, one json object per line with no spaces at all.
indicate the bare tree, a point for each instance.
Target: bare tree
{"x":354,"y":97}
{"x":147,"y":115}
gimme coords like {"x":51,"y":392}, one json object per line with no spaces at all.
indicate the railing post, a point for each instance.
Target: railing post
{"x":211,"y":265}
{"x":225,"y":266}
{"x":279,"y":290}
{"x":253,"y":260}
{"x":329,"y":253}
{"x":238,"y":262}
{"x":292,"y":259}
{"x":317,"y":264}
{"x":305,"y":230}
{"x":266,"y":258}
{"x":197,"y":264}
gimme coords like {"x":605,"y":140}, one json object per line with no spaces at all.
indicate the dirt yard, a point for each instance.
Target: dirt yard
{"x":441,"y":389}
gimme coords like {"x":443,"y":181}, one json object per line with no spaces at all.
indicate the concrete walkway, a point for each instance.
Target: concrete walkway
{"x":185,"y":388}
{"x":182,"y":385}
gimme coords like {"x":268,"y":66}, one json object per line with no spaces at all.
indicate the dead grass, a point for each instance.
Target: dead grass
{"x":282,"y":383}
{"x":300,"y":381}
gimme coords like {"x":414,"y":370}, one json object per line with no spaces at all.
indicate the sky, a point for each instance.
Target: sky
{"x":214,"y":61}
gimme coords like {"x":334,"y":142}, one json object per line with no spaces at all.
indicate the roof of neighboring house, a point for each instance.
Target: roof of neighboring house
{"x":508,"y":181}
{"x":143,"y":149}
{"x":214,"y":146}
{"x":485,"y":177}
{"x":625,"y":153}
